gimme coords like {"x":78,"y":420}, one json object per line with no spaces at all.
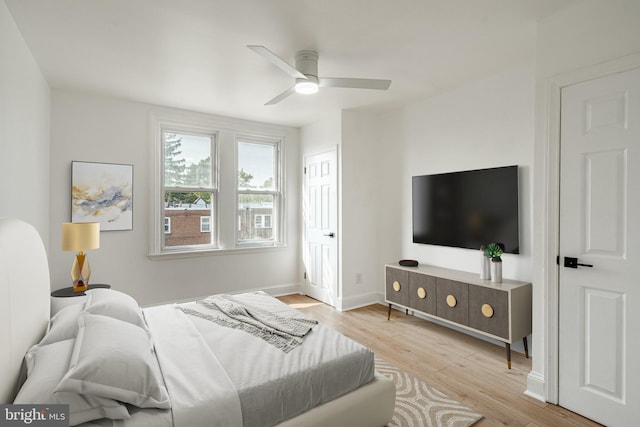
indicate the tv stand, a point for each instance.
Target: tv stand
{"x":497,"y":310}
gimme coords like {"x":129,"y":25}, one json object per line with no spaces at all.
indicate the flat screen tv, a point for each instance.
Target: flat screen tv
{"x":467,"y":209}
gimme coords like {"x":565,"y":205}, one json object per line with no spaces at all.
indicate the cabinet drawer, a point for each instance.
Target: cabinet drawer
{"x":452,"y":301}
{"x":400,"y":292}
{"x":422,"y":293}
{"x":489,"y":310}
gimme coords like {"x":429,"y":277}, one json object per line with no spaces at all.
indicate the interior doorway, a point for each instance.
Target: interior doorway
{"x":599,"y":248}
{"x":320,"y":222}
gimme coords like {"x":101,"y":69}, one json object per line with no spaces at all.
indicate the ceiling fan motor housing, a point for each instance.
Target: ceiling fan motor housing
{"x":307,"y":64}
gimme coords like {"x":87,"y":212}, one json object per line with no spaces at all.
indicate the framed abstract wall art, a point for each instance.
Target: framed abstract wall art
{"x":102,"y":192}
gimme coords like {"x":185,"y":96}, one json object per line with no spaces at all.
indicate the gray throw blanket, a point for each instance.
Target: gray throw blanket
{"x":285,"y":332}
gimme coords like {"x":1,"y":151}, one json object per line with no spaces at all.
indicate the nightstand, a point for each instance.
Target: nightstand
{"x":61,"y":298}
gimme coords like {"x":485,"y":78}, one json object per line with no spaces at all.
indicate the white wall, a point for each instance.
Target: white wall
{"x":322,"y":135}
{"x":393,"y":189}
{"x":583,"y":35}
{"x":486,"y":124}
{"x":586,"y":33}
{"x":361,"y":203}
{"x":355,"y":136}
{"x":96,"y":128}
{"x":25,"y":106}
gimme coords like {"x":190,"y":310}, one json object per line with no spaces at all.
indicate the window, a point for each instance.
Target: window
{"x":214,"y":188}
{"x":258,"y":191}
{"x":188,"y":188}
{"x":205,"y":224}
{"x":262,"y":221}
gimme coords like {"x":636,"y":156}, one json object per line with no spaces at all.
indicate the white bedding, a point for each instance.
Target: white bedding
{"x":274,"y":386}
{"x":201,"y":392}
{"x":226,"y":377}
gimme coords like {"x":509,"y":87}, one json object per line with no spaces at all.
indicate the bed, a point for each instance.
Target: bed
{"x":173,"y":365}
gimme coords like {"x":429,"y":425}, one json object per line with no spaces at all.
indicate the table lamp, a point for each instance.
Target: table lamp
{"x":80,"y":236}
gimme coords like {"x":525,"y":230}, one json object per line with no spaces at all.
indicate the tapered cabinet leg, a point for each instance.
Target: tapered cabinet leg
{"x":389,"y":313}
{"x":526,"y":347}
{"x":508,"y":347}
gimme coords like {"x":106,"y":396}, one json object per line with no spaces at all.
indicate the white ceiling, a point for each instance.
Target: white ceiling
{"x":192,"y":53}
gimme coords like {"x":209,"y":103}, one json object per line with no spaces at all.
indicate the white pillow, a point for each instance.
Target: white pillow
{"x":63,"y":325}
{"x":113,"y":359}
{"x":112,"y":303}
{"x":48,"y":364}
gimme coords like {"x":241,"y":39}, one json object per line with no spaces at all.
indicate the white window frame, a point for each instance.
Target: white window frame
{"x":225,"y":222}
{"x":205,"y":220}
{"x":277,"y":192}
{"x":212,"y":189}
{"x":158,"y":124}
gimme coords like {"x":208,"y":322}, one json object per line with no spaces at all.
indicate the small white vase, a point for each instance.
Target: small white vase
{"x":485,"y":268}
{"x":496,"y":271}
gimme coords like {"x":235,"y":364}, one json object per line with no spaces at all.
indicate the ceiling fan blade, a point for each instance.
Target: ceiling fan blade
{"x":355,"y":83}
{"x":282,"y":96}
{"x":277,"y":61}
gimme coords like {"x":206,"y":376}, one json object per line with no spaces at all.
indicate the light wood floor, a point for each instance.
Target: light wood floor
{"x":465,"y":368}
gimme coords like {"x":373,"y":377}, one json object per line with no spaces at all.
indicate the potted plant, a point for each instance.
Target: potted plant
{"x":493,"y":251}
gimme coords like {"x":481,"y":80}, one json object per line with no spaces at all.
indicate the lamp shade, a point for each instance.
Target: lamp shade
{"x":80,"y":236}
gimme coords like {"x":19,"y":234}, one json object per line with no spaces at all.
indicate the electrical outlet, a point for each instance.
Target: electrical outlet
{"x":358,"y":278}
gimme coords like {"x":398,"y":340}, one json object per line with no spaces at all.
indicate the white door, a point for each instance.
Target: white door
{"x":320,"y":213}
{"x":599,"y":336}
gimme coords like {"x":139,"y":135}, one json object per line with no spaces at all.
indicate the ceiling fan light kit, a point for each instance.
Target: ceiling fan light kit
{"x":306,"y":87}
{"x":306,"y":74}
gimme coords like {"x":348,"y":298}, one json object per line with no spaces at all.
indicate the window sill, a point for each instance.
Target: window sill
{"x":193,"y":253}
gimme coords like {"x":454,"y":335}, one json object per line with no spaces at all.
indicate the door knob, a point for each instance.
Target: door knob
{"x":330,"y":235}
{"x":573,"y":263}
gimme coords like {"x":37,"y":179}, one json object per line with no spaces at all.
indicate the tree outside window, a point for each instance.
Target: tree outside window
{"x":189,"y":193}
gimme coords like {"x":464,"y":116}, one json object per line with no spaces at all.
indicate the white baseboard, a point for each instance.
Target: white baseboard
{"x":357,"y":301}
{"x":535,"y":386}
{"x":279,"y":290}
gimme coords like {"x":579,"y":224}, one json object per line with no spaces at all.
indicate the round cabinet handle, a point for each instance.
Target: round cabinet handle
{"x":422,"y":293}
{"x":451,"y":301}
{"x":396,"y":286}
{"x":487,"y":310}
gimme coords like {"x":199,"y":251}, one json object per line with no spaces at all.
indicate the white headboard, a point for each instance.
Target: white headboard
{"x":24,"y":298}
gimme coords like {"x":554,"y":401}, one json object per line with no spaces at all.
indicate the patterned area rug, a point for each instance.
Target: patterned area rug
{"x":421,"y":405}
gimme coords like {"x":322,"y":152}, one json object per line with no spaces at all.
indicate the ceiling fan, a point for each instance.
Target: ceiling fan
{"x":306,"y":74}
